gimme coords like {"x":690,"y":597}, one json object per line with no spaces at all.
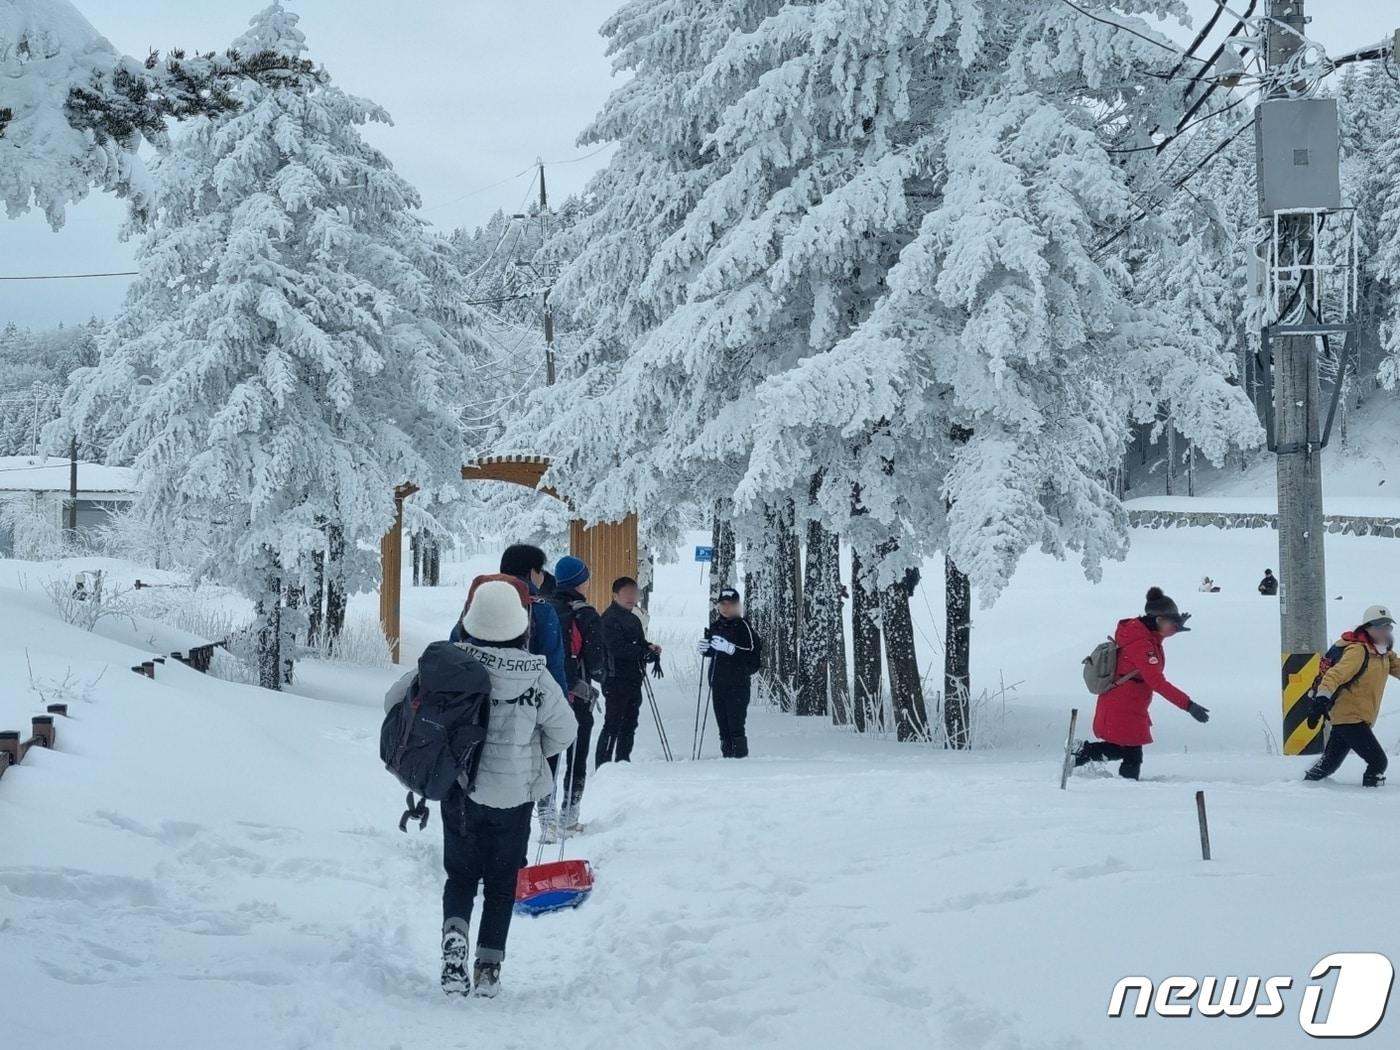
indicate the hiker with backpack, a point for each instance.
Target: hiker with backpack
{"x":526,"y":564}
{"x":735,"y":654}
{"x":584,"y":663}
{"x":628,"y":653}
{"x":1348,"y":693}
{"x":1125,"y":672}
{"x":486,"y":812}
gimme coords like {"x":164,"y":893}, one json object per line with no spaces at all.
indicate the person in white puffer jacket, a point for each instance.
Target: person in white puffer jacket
{"x":486,"y":832}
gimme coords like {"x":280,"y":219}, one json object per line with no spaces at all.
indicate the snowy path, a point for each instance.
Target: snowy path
{"x":204,"y":864}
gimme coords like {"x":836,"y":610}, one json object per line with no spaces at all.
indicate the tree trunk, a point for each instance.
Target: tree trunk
{"x":814,"y":649}
{"x":1171,"y":459}
{"x":957,"y":654}
{"x":415,"y":549}
{"x":723,"y":572}
{"x":786,"y":604}
{"x":269,"y":631}
{"x":432,"y":559}
{"x":838,"y":678}
{"x":868,"y":708}
{"x":315,"y":621}
{"x":906,"y":688}
{"x":335,"y":585}
{"x":288,"y":622}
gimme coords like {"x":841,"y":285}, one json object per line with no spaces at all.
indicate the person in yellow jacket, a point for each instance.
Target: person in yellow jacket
{"x":1350,"y":695}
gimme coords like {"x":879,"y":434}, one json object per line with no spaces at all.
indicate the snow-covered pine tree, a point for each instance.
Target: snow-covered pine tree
{"x":294,"y":348}
{"x":75,"y":111}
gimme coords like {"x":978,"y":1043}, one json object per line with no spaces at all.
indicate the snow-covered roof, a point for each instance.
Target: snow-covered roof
{"x":50,"y":474}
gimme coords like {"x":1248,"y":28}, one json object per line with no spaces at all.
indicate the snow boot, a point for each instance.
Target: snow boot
{"x":726,"y":747}
{"x":1373,"y":780}
{"x":549,"y":827}
{"x":1081,"y":754}
{"x":454,"y":962}
{"x":570,"y":821}
{"x":487,"y":978}
{"x":739,"y":747}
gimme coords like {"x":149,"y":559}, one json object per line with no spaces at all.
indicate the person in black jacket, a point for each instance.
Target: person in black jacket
{"x":1268,"y":586}
{"x":628,"y":653}
{"x":735,"y":654}
{"x":584,"y":664}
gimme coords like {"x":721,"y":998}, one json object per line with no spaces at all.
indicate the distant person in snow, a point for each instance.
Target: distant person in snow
{"x":1268,"y":586}
{"x":1121,"y":721}
{"x":1349,"y":695}
{"x":1209,"y":586}
{"x":628,"y":653}
{"x":584,"y":664}
{"x":526,"y":564}
{"x":486,"y":831}
{"x":735,"y":654}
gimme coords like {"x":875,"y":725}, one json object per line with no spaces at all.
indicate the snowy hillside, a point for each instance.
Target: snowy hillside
{"x":203,"y":863}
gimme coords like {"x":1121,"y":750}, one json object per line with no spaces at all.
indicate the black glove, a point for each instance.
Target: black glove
{"x":656,"y":671}
{"x":1319,"y":707}
{"x":1196,"y":711}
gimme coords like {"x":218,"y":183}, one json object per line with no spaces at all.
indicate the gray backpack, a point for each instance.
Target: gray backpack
{"x":1101,"y":667}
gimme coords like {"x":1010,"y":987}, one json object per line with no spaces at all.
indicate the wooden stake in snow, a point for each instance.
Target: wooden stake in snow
{"x":1205,"y":831}
{"x":1069,"y":748}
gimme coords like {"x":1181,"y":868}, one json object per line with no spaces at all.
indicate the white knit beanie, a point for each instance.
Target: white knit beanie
{"x":495,"y":613}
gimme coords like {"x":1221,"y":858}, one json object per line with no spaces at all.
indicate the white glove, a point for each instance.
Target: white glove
{"x":702,"y":647}
{"x":722,"y":645}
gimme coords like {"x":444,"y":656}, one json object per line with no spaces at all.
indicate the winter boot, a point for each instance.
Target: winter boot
{"x":1373,"y":780}
{"x":549,"y":826}
{"x":726,"y":747}
{"x":740,"y":747}
{"x":570,"y":822}
{"x":487,"y":978}
{"x":1314,"y":774}
{"x":454,"y":962}
{"x":1081,"y":754}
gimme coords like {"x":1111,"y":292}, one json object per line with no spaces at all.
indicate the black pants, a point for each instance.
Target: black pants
{"x":1343,"y":740}
{"x":1102,"y":750}
{"x":576,"y":767}
{"x":731,"y":703}
{"x":622,"y":698}
{"x":482,"y":844}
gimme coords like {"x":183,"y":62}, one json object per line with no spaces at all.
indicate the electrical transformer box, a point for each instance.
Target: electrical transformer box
{"x":1298,"y":153}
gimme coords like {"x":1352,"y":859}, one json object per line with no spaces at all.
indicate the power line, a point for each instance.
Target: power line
{"x":1129,"y":29}
{"x":69,"y":276}
{"x":1160,"y":146}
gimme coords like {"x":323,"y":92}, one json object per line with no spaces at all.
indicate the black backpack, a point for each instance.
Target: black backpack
{"x":434,"y":734}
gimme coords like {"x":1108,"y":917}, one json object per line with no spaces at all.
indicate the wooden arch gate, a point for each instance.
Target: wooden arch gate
{"x":609,"y":548}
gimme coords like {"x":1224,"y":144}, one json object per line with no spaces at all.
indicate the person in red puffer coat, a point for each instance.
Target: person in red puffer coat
{"x":1121,"y":721}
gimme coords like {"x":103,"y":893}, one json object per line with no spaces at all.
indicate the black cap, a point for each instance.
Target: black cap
{"x":728,"y":594}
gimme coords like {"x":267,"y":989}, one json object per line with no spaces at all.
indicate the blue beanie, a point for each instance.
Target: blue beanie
{"x":570,"y":571}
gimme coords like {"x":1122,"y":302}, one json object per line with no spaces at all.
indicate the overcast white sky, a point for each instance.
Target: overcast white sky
{"x":478,"y":89}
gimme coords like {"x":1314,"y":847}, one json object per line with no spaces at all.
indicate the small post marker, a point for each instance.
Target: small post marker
{"x":1205,"y":830}
{"x":1068,"y":763}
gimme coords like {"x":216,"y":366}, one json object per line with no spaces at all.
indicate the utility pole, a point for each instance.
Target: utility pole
{"x":71,"y":517}
{"x":1303,"y":608}
{"x":548,"y":310}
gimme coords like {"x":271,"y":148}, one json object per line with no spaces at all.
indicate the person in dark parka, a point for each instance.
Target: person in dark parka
{"x":584,"y":663}
{"x":735,"y":654}
{"x":1268,"y":586}
{"x":628,"y":653}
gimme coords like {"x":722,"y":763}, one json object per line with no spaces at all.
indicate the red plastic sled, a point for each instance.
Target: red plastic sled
{"x":541,"y":888}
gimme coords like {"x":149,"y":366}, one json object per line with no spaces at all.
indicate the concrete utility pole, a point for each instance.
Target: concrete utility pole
{"x":1303,"y":604}
{"x":548,"y":310}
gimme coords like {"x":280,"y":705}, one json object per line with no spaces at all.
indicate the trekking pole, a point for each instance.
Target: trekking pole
{"x":704,"y":720}
{"x":656,"y":714}
{"x":699,"y":694}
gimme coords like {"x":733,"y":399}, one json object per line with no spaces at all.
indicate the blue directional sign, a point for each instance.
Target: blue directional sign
{"x":704,"y":554}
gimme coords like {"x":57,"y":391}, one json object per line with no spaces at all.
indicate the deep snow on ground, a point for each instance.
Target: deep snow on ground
{"x":203,"y":863}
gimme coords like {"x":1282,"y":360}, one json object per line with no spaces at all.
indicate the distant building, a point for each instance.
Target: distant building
{"x":42,"y":483}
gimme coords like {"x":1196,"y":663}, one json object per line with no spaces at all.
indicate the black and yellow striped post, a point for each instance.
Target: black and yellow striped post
{"x":1299,"y":672}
